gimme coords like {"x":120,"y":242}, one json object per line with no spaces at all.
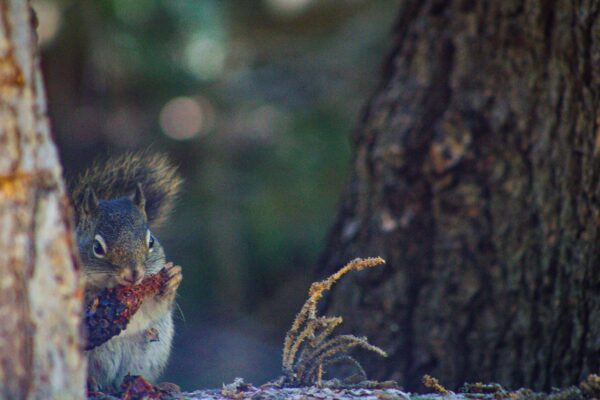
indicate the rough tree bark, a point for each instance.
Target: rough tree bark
{"x":40,"y":291}
{"x":476,"y":174}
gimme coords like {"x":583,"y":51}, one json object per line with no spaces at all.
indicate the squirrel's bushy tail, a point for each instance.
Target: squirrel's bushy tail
{"x":119,"y":176}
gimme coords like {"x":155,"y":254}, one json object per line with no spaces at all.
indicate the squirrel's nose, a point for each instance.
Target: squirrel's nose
{"x":133,"y":276}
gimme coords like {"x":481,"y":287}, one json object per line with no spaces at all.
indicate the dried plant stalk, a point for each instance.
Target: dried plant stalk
{"x":310,"y":334}
{"x":432,"y":383}
{"x":337,"y":348}
{"x":111,"y":310}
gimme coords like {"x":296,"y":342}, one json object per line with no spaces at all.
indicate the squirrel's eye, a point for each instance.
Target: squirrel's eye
{"x":150,"y":241}
{"x":99,"y":247}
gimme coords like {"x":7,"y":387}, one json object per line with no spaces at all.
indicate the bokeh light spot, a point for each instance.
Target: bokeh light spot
{"x":288,"y":7}
{"x":182,"y":118}
{"x":205,"y":57}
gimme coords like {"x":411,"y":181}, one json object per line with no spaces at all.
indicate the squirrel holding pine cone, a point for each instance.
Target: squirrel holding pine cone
{"x":118,"y":205}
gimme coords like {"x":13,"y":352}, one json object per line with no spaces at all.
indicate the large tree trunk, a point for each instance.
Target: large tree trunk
{"x":40,"y":291}
{"x":476,"y":174}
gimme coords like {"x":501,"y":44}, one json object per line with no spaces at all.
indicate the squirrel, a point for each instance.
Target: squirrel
{"x":118,"y":205}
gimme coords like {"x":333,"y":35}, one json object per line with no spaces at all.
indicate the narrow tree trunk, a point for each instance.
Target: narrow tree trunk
{"x":40,"y":291}
{"x":476,"y":174}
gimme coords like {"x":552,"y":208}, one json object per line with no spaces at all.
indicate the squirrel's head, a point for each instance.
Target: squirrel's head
{"x":114,"y":240}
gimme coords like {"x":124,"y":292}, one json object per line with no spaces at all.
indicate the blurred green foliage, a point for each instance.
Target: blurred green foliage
{"x":268,"y":94}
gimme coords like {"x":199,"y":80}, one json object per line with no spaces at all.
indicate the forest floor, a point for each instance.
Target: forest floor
{"x":138,"y":388}
{"x":320,"y":393}
{"x":316,"y":393}
{"x":389,"y":390}
{"x":304,"y":393}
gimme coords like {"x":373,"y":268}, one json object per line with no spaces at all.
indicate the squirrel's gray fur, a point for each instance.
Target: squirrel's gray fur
{"x":116,"y":203}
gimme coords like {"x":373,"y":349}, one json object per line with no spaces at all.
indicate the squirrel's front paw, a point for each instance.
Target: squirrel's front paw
{"x":172,"y":282}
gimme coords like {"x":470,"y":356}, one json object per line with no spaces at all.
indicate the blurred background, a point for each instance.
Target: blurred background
{"x":255,"y":101}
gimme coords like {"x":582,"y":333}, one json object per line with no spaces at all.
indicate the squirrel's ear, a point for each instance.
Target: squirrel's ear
{"x":139,"y":199}
{"x":90,"y":202}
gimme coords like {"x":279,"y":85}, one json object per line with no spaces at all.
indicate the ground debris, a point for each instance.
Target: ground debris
{"x":379,"y":391}
{"x":356,"y":393}
{"x":135,"y":387}
{"x":480,"y":390}
{"x":591,"y":386}
{"x":238,"y":390}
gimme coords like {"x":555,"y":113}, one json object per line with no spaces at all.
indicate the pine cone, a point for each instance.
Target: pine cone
{"x":110,"y":311}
